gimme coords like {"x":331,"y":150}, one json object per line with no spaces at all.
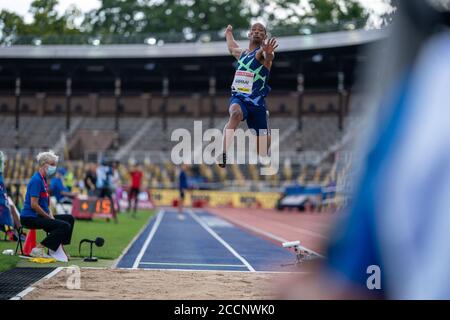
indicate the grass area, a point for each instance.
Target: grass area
{"x":7,"y":262}
{"x":117,"y":237}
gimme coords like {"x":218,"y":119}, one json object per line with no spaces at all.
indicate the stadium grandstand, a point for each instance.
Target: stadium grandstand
{"x":90,"y":101}
{"x":110,"y":177}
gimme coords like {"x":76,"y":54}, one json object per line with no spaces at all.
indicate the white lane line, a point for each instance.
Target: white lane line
{"x":223,"y":242}
{"x":52,"y":274}
{"x":125,"y":251}
{"x":148,"y":240}
{"x":219,"y":270}
{"x":194,"y":264}
{"x":270,"y":235}
{"x":23,"y":293}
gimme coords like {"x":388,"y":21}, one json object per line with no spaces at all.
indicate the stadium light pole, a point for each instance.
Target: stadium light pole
{"x":17,"y":113}
{"x":341,"y":92}
{"x":212,"y":97}
{"x":117,"y":93}
{"x":147,"y":100}
{"x":300,"y":92}
{"x":68,"y":100}
{"x":165,"y":93}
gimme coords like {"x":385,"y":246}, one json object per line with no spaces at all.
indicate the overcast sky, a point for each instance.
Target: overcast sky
{"x":21,"y":6}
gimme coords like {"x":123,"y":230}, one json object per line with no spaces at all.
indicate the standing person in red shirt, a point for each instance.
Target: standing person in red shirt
{"x":136,"y":181}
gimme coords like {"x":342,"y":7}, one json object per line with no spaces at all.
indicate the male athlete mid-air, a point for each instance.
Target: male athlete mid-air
{"x":249,"y":87}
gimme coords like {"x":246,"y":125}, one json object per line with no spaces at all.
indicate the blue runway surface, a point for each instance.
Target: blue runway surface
{"x":202,"y":241}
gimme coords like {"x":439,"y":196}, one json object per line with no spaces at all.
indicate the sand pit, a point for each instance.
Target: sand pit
{"x":160,"y":284}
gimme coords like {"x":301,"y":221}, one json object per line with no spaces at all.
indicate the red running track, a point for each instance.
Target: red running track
{"x":312,"y":229}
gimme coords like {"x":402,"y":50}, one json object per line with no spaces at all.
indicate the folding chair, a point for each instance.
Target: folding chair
{"x":19,"y":241}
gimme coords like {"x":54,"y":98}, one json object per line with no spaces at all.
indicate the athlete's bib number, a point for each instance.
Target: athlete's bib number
{"x":243,"y":81}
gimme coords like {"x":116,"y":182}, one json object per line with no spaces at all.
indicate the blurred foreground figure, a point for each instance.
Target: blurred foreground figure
{"x":393,"y":240}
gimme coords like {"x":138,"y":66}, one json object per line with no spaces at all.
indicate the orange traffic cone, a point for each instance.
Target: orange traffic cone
{"x":30,"y":242}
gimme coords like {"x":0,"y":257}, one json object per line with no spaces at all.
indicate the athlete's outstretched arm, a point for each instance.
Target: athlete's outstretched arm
{"x":267,"y":52}
{"x":233,"y":46}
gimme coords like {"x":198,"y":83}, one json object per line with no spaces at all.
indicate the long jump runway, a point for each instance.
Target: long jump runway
{"x":202,"y":241}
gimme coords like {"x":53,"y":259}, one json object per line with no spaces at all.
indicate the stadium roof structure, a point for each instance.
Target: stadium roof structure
{"x":179,"y":50}
{"x":320,"y":59}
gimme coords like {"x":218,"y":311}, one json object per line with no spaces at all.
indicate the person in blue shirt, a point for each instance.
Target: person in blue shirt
{"x":59,"y":190}
{"x":104,"y":184}
{"x":36,"y":211}
{"x":8,"y":218}
{"x":5,"y":216}
{"x":182,"y":187}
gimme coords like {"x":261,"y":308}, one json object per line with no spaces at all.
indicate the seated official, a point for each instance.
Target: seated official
{"x":36,"y":211}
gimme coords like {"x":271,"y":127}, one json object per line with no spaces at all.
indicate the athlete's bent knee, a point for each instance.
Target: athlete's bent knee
{"x":236,"y":114}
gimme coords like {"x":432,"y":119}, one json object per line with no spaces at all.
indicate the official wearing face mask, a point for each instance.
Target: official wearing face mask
{"x":36,"y":211}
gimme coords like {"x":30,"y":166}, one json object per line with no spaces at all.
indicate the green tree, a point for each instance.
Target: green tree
{"x":206,"y":15}
{"x":277,"y":12}
{"x":128,"y":17}
{"x":291,"y":15}
{"x":47,"y":23}
{"x":11,"y":25}
{"x":179,"y":19}
{"x":329,"y":11}
{"x":114,"y":17}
